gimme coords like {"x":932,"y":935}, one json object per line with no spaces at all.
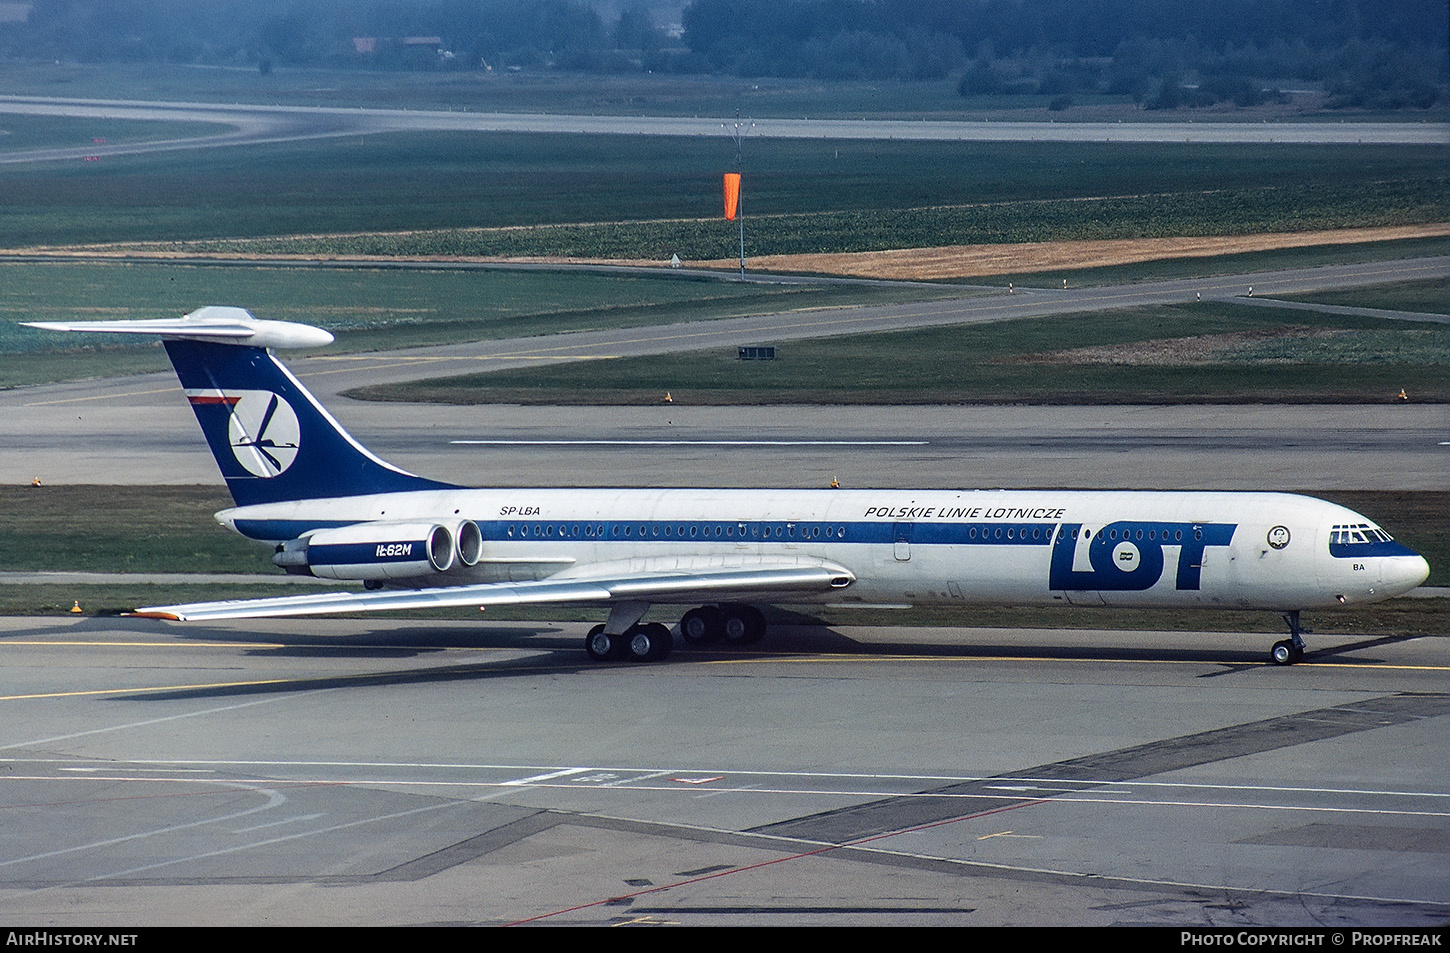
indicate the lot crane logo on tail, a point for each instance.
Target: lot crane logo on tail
{"x":262,"y":428}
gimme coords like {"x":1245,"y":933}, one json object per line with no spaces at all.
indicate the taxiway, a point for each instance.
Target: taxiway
{"x":409,"y":772}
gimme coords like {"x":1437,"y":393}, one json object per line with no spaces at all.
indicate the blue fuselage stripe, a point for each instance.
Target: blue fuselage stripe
{"x":730,"y":531}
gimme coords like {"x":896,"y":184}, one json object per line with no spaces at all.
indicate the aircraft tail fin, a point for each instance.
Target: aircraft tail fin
{"x":271,"y":438}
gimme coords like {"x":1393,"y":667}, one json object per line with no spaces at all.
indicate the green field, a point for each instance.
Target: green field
{"x":123,"y":529}
{"x":1431,"y":296}
{"x":19,"y":132}
{"x":1163,"y":215}
{"x":1365,"y":360}
{"x":662,"y":195}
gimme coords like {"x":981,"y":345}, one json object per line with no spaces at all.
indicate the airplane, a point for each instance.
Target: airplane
{"x":331,"y":509}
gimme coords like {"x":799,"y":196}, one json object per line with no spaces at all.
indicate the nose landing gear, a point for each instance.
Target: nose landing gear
{"x":1290,"y":650}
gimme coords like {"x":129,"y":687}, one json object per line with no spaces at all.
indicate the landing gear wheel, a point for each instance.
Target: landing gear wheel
{"x":649,"y":642}
{"x":702,"y":625}
{"x":602,"y":647}
{"x":744,"y":625}
{"x":1290,"y":650}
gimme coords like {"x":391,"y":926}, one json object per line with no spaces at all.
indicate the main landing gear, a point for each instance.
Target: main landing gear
{"x":1290,"y":650}
{"x":625,"y":637}
{"x":731,"y":624}
{"x":641,"y":642}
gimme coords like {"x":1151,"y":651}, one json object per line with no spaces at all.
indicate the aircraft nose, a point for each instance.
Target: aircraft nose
{"x":1406,"y":572}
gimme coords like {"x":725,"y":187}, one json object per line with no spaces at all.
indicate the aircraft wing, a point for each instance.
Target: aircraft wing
{"x":642,"y":585}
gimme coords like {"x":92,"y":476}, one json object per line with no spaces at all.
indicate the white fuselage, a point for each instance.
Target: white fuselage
{"x":1021,"y":547}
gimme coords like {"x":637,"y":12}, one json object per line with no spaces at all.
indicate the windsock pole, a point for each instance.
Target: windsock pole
{"x":742,"y":243}
{"x":735,"y":211}
{"x":733,"y":208}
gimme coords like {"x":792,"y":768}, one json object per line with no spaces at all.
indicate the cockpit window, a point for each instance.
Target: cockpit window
{"x":1348,"y":534}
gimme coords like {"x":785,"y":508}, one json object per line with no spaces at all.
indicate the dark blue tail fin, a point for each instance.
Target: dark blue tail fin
{"x":271,"y":438}
{"x":273,"y":441}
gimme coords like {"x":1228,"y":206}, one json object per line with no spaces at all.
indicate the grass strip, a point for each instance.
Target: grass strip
{"x":1363,"y":360}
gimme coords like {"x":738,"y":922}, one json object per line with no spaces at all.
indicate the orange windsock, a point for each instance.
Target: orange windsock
{"x":732,"y":194}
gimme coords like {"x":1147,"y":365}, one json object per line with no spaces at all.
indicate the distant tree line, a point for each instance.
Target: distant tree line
{"x":1363,"y":53}
{"x":1371,"y":53}
{"x":564,"y":34}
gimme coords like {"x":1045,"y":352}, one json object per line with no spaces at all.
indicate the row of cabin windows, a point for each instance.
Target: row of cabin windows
{"x":792,"y":531}
{"x":1176,"y":536}
{"x":672,"y":531}
{"x":1010,"y":532}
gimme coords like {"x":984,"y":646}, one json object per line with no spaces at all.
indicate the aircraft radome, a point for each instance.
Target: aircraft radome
{"x":332,"y":509}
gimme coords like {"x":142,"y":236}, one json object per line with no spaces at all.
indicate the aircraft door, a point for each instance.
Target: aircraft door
{"x":901,"y":541}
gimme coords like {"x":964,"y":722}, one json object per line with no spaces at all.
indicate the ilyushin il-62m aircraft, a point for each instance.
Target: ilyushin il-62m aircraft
{"x":332,"y":509}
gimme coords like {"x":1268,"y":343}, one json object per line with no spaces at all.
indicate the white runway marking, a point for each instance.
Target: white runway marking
{"x":552,"y":775}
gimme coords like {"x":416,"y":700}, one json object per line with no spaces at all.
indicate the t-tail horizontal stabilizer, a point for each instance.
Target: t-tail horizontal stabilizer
{"x":213,"y":324}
